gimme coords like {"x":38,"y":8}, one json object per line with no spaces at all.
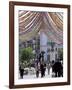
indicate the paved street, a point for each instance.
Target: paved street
{"x":34,"y":75}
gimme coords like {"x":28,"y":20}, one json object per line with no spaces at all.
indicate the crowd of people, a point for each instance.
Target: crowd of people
{"x":55,"y":66}
{"x":41,"y":66}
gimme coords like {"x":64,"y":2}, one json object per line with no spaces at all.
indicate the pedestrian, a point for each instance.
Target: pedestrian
{"x":52,"y":63}
{"x":58,"y":69}
{"x":44,"y":68}
{"x":21,"y":72}
{"x":48,"y":67}
{"x":52,"y":66}
{"x":37,"y":69}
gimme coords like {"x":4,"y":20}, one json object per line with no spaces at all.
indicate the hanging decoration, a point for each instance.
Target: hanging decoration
{"x":31,"y":22}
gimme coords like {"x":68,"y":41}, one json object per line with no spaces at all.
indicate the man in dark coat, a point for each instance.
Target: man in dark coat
{"x":58,"y":69}
{"x":21,"y":72}
{"x":42,"y":70}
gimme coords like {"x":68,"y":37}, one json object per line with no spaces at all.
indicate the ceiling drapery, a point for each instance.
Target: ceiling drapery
{"x":51,"y":23}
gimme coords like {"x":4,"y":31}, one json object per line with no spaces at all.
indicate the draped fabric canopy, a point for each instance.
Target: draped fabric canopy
{"x":32,"y":22}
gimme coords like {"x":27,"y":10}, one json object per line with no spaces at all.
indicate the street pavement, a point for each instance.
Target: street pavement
{"x":33,"y":76}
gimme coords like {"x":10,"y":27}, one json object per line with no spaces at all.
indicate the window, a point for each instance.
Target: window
{"x":48,"y":50}
{"x":55,"y":56}
{"x":56,"y":49}
{"x":48,"y":57}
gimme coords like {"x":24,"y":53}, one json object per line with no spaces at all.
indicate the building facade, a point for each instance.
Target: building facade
{"x":41,"y":43}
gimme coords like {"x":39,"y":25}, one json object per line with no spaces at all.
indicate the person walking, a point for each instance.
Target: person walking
{"x":21,"y":72}
{"x":53,"y":69}
{"x":37,"y":69}
{"x":58,"y":68}
{"x":42,"y":69}
{"x":48,"y":67}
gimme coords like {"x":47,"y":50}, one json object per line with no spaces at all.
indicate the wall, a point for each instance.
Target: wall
{"x":4,"y":45}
